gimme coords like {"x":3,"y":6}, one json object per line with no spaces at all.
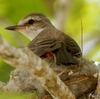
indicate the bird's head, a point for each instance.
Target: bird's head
{"x":31,"y":25}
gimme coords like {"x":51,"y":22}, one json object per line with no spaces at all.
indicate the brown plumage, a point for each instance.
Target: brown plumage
{"x":63,"y":47}
{"x":46,"y":40}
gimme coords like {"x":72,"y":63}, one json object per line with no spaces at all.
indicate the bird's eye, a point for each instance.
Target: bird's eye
{"x":31,"y":21}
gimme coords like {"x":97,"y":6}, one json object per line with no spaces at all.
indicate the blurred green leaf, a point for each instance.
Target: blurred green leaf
{"x":18,"y":95}
{"x":5,"y":71}
{"x":19,"y":8}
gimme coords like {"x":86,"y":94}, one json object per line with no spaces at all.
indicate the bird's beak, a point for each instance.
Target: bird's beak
{"x":14,"y":28}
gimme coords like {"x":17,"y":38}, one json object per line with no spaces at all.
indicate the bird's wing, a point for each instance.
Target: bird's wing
{"x":69,"y":48}
{"x":64,"y":57}
{"x":44,"y":45}
{"x":72,"y":47}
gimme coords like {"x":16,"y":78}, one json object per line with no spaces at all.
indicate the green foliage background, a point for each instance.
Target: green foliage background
{"x":18,"y":96}
{"x":11,"y":11}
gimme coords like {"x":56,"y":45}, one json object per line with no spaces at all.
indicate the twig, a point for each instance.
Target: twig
{"x":81,"y":36}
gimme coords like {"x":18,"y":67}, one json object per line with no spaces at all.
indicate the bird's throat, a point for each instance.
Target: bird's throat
{"x":31,"y":34}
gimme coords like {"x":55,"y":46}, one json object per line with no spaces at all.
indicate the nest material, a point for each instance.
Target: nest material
{"x":80,"y":79}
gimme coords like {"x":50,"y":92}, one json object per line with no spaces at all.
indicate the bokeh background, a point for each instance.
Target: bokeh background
{"x":80,"y":19}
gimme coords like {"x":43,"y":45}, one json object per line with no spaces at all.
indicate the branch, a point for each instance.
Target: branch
{"x":61,"y":12}
{"x":23,"y":57}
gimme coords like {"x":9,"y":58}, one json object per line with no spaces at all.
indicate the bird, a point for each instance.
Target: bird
{"x":46,"y":40}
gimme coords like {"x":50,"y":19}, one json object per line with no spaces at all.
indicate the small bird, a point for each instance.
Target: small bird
{"x":46,"y":40}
